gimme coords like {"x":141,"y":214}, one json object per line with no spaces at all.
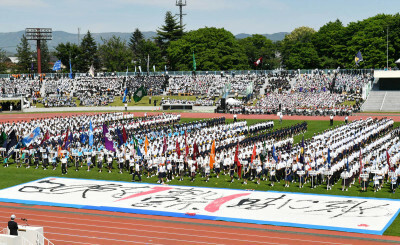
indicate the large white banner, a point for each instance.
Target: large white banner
{"x":352,"y":214}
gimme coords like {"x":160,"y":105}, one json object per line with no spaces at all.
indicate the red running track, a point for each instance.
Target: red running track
{"x":14,"y":117}
{"x":74,"y":226}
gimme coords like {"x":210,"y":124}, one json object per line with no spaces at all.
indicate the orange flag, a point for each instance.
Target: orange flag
{"x":146,"y":144}
{"x":253,"y":156}
{"x":212,"y":155}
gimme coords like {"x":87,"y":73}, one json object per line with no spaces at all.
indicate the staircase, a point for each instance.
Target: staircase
{"x":264,"y":86}
{"x":382,"y":101}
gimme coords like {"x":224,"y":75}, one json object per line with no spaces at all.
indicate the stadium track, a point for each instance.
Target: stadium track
{"x":15,"y":117}
{"x":75,"y":226}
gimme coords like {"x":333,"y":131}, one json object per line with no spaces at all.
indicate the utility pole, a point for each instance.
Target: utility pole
{"x":181,"y":4}
{"x":79,"y":35}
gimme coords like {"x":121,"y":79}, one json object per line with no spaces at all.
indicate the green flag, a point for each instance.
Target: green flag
{"x":135,"y":142}
{"x":3,"y":138}
{"x":139,"y":94}
{"x":194,"y":62}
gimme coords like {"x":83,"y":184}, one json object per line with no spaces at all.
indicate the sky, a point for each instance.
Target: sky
{"x":237,"y":16}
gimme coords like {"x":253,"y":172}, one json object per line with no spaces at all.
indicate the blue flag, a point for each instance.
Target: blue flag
{"x":57,"y":65}
{"x":125,"y":93}
{"x":70,"y":69}
{"x":82,"y":138}
{"x":358,"y":58}
{"x":347,"y":165}
{"x":70,"y":140}
{"x":138,"y":151}
{"x":120,"y":141}
{"x":31,"y":137}
{"x":274,"y":156}
{"x":90,"y":133}
{"x":329,"y":158}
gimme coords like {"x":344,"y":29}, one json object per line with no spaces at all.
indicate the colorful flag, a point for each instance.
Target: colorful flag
{"x":90,"y":133}
{"x":256,"y":63}
{"x":253,"y":156}
{"x":139,"y":94}
{"x":57,"y":65}
{"x":195,"y":151}
{"x":178,"y":148}
{"x":45,"y":137}
{"x":120,"y":139}
{"x":108,"y":142}
{"x":186,"y":146}
{"x":70,"y":70}
{"x":146,"y":144}
{"x":329,"y":158}
{"x":66,"y":139}
{"x":358,"y":58}
{"x":274,"y":156}
{"x":28,"y":139}
{"x":3,"y":140}
{"x":125,"y":93}
{"x":237,"y":161}
{"x":124,"y":135}
{"x":11,"y":143}
{"x":91,"y":71}
{"x":70,"y":140}
{"x":212,"y":155}
{"x":302,"y":151}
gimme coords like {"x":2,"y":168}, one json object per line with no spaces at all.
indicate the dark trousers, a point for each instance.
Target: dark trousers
{"x":138,"y":174}
{"x":64,"y":168}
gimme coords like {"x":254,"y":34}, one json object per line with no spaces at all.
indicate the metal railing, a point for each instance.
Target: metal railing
{"x":182,"y":73}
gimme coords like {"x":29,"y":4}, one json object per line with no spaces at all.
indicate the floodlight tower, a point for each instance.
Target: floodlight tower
{"x":181,"y":4}
{"x":38,"y":34}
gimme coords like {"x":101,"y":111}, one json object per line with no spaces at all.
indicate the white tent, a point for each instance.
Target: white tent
{"x":232,"y":101}
{"x":397,"y":61}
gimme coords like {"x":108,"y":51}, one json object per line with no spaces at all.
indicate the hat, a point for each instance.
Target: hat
{"x":13,"y":217}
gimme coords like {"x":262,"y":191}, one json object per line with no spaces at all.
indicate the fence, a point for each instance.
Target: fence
{"x":229,"y":72}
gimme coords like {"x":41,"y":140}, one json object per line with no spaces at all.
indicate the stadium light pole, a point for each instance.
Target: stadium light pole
{"x":38,"y":34}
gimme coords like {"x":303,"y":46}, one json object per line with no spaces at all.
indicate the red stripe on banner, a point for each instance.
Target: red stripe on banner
{"x":216,"y":204}
{"x":152,"y":191}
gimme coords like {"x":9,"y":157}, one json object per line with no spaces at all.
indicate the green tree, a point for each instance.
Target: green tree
{"x":298,"y":51}
{"x":134,"y":41}
{"x":148,"y":49}
{"x":3,"y":60}
{"x":329,"y":42}
{"x":257,"y":46}
{"x":114,"y":54}
{"x":25,"y":55}
{"x":215,"y":49}
{"x":67,"y":51}
{"x":88,"y":53}
{"x":170,"y":31}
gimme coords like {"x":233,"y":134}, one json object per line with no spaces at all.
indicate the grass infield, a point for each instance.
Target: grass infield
{"x":13,"y":176}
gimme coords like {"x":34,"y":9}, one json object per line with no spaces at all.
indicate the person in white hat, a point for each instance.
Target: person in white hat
{"x":13,"y":226}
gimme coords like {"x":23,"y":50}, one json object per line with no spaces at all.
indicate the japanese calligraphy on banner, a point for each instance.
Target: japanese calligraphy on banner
{"x":363,"y":215}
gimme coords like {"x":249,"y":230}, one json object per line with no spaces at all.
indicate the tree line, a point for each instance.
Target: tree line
{"x":173,"y":48}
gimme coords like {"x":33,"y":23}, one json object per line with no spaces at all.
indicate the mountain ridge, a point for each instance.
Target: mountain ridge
{"x":10,"y":40}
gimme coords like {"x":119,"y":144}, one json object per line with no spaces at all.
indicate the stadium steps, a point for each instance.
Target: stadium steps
{"x":264,"y":86}
{"x":382,"y":101}
{"x":43,"y":88}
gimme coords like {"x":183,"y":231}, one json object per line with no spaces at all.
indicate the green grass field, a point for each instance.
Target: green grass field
{"x":13,"y":176}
